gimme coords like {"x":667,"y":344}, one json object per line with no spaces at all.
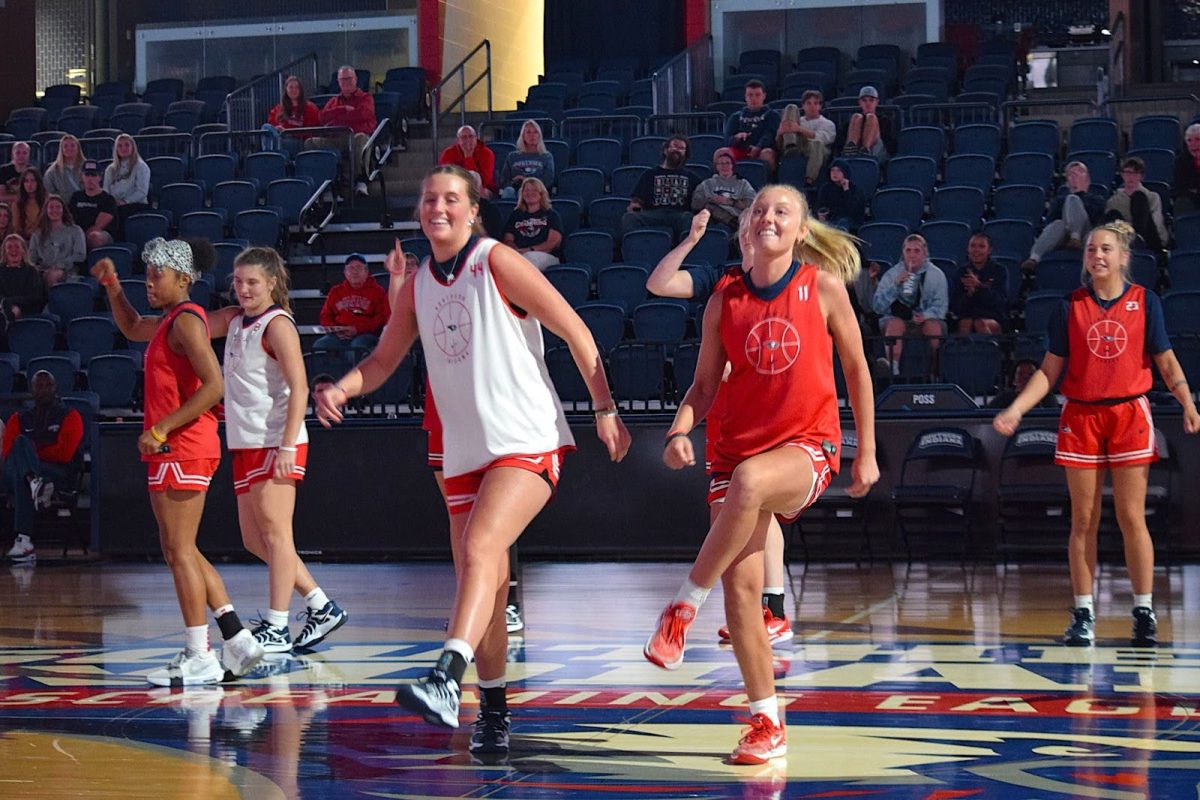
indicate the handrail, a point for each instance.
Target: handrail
{"x":370,"y":152}
{"x":684,"y":83}
{"x":325,"y":186}
{"x":246,"y":107}
{"x":460,"y":70}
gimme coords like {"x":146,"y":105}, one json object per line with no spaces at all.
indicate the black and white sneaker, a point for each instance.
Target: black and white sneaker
{"x":435,"y":697}
{"x":1081,"y":632}
{"x":272,"y":638}
{"x":490,"y":736}
{"x":512,"y":618}
{"x":319,"y":624}
{"x":1145,"y":628}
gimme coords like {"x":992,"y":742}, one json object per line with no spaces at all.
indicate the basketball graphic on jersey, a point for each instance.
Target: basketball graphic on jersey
{"x":772,"y":346}
{"x":1107,"y":339}
{"x":452,"y":329}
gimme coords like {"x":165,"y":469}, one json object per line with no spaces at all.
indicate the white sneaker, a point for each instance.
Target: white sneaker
{"x":512,"y":619}
{"x":22,"y":551}
{"x":44,"y":496}
{"x":241,"y":653}
{"x":360,"y":189}
{"x":185,"y":670}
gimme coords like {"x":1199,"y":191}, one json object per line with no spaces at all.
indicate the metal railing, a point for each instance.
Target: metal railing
{"x":1063,"y":110}
{"x":685,"y":83}
{"x":459,"y":73}
{"x":246,"y":107}
{"x":375,"y":154}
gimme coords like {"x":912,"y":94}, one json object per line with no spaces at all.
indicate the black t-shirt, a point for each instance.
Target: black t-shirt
{"x":85,"y":209}
{"x":9,"y":177}
{"x":531,"y":228}
{"x":663,"y":187}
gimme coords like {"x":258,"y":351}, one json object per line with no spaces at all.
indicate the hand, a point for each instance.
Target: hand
{"x":343,"y":331}
{"x":679,"y":453}
{"x":395,"y":263}
{"x":102,"y":269}
{"x":1006,"y":422}
{"x":902,"y":276}
{"x":611,"y":430}
{"x":285,"y":462}
{"x":970,"y":281}
{"x":918,"y":318}
{"x":741,"y":137}
{"x":699,"y":225}
{"x":329,"y":400}
{"x":147,"y":445}
{"x":873,"y":270}
{"x":1191,"y":420}
{"x":865,"y":474}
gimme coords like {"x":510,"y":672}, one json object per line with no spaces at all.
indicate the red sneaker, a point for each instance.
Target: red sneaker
{"x":761,"y":742}
{"x":779,"y":630}
{"x":665,"y":646}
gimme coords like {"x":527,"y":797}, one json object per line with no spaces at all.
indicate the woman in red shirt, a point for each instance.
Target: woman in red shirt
{"x":294,"y":109}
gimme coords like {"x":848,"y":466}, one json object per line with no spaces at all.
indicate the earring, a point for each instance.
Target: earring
{"x":471,"y":221}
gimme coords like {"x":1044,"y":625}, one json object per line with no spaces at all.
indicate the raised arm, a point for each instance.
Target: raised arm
{"x":668,"y":279}
{"x":133,"y":326}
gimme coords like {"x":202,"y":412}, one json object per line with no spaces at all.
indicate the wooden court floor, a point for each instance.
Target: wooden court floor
{"x":930,"y":682}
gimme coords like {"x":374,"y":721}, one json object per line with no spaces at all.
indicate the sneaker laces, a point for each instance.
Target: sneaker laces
{"x":675,"y":630}
{"x":310,"y":622}
{"x":760,"y":728}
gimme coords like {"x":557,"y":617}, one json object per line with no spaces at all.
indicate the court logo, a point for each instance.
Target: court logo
{"x":772,"y":346}
{"x":1107,"y":339}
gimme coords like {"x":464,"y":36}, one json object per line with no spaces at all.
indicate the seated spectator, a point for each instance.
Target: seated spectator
{"x":1022,"y":371}
{"x":531,"y":159}
{"x":534,"y":229}
{"x":40,"y":448}
{"x":1138,"y":206}
{"x":979,"y":296}
{"x":663,"y":195}
{"x":810,"y":135}
{"x":862,"y":296}
{"x":127,"y":179}
{"x":840,"y":202}
{"x":294,"y":110}
{"x":22,"y":290}
{"x":31,"y":196}
{"x":1072,"y":215}
{"x":472,"y":155}
{"x":355,"y":310}
{"x":912,"y":299}
{"x":1186,"y":187}
{"x":65,"y":176}
{"x":10,"y":173}
{"x":724,"y":194}
{"x":58,"y":244}
{"x":868,"y":133}
{"x":93,"y":208}
{"x":750,"y":133}
{"x":6,"y":221}
{"x":350,"y":108}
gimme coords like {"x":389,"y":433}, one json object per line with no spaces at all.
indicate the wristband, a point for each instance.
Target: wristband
{"x":342,"y":389}
{"x":673,"y":436}
{"x":109,"y":280}
{"x":285,"y":448}
{"x":607,"y":411}
{"x":157,"y":434}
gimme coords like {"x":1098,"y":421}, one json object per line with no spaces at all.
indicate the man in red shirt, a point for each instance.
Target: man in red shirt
{"x":39,"y":446}
{"x":473,"y":156}
{"x":350,"y":108}
{"x":355,"y":310}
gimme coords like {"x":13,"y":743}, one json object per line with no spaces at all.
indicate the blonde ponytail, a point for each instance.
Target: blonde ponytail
{"x":831,"y":249}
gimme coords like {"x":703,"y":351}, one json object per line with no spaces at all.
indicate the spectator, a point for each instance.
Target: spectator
{"x":350,"y":108}
{"x":724,"y":194}
{"x":355,"y":310}
{"x":868,"y":133}
{"x":840,"y":202}
{"x":58,"y":244}
{"x":531,"y":159}
{"x":40,"y":447}
{"x":127,"y":179}
{"x":1071,"y":216}
{"x":22,"y":290}
{"x":663,"y":195}
{"x":11,"y":172}
{"x":6,"y":223}
{"x":93,"y":208}
{"x":1137,"y":205}
{"x":750,"y":133}
{"x":912,"y":299}
{"x":810,"y":135}
{"x":1186,"y":187}
{"x":65,"y":176}
{"x":1022,"y":371}
{"x":979,"y":297}
{"x":294,"y":109}
{"x":31,"y":196}
{"x":534,"y":229}
{"x":472,"y":155}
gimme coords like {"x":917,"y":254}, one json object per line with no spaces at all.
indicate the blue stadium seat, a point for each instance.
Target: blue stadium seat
{"x":977,"y":171}
{"x":122,"y":256}
{"x":602,"y":153}
{"x":659,"y":322}
{"x":202,"y":225}
{"x":713,"y":247}
{"x":683,"y":367}
{"x":1038,"y":308}
{"x":1094,"y":133}
{"x":1187,"y":232}
{"x":638,"y":372}
{"x":1036,"y":169}
{"x":70,"y":300}
{"x":90,"y":336}
{"x":959,"y":204}
{"x":605,"y":213}
{"x":594,"y":248}
{"x":864,"y":173}
{"x":1011,"y":238}
{"x":212,"y":169}
{"x":573,"y":283}
{"x":947,"y":239}
{"x":564,"y":373}
{"x":1155,"y":131}
{"x":622,"y":285}
{"x":701,"y":147}
{"x":113,"y":377}
{"x":31,"y":337}
{"x":912,"y":172}
{"x":289,"y":195}
{"x":63,"y":365}
{"x":646,"y":247}
{"x":141,"y":228}
{"x":584,"y":184}
{"x":569,"y":211}
{"x":606,"y":322}
{"x":1159,"y":161}
{"x":259,"y":226}
{"x":164,"y":170}
{"x":922,"y":140}
{"x":264,"y":167}
{"x":1183,"y":270}
{"x":754,"y":171}
{"x":318,"y":165}
{"x":234,"y":196}
{"x":9,"y":369}
{"x":135,"y":293}
{"x":972,"y":362}
{"x":624,"y":179}
{"x":980,"y":139}
{"x":1020,"y":201}
{"x":180,"y":198}
{"x":646,"y":151}
{"x":900,"y":205}
{"x":883,"y":241}
{"x":1035,"y":136}
{"x":1055,"y":274}
{"x":1101,"y":164}
{"x":1143,"y":268}
{"x":1181,"y":309}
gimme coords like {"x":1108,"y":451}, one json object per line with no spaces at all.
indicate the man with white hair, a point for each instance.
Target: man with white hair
{"x":350,"y":108}
{"x":1187,"y":173}
{"x":472,"y":155}
{"x":1073,"y":212}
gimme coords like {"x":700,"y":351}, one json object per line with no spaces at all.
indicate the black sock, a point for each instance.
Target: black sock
{"x":775,"y":603}
{"x":512,"y":594}
{"x":229,"y":624}
{"x":453,"y":664}
{"x":493,"y":699}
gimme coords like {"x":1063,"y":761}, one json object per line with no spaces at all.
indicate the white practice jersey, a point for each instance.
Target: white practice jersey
{"x":256,"y":394}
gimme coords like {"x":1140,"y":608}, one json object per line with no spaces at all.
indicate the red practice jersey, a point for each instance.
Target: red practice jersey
{"x":170,"y":381}
{"x":1107,"y":348}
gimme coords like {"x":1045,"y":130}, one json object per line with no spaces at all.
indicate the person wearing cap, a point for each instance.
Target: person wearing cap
{"x":750,"y":132}
{"x":868,"y":133}
{"x":355,"y":310}
{"x":810,"y":135}
{"x":41,"y":449}
{"x":93,"y":208}
{"x":840,"y":202}
{"x":182,"y":452}
{"x":724,"y":194}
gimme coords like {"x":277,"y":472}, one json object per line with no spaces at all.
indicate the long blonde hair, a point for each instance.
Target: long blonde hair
{"x":543,"y":196}
{"x":540,"y":147}
{"x":61,"y":162}
{"x":1124,"y":234}
{"x":271,"y":263}
{"x":830,"y":249}
{"x":123,"y":168}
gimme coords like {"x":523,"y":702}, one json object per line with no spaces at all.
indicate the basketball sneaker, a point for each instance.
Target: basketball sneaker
{"x":512,"y":619}
{"x":490,"y":736}
{"x":1082,"y":630}
{"x":779,"y":630}
{"x":761,"y":742}
{"x":665,"y":645}
{"x":1145,"y":628}
{"x":22,"y":551}
{"x":319,"y":624}
{"x":185,"y":670}
{"x":435,"y":697}
{"x":272,"y":639}
{"x":241,"y":653}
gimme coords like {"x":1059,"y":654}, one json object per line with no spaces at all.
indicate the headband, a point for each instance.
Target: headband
{"x":174,"y":254}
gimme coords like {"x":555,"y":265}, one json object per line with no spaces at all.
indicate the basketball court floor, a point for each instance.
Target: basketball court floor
{"x":927,"y":682}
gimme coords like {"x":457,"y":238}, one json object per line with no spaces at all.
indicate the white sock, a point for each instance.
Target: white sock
{"x":896,"y":367}
{"x":768,"y":707}
{"x":277,"y":619}
{"x":1085,"y":601}
{"x":772,"y":590}
{"x":222,"y":611}
{"x":197,"y":640}
{"x":316,"y":599}
{"x":1143,"y":600}
{"x":461,"y":647}
{"x":494,"y":683}
{"x":691,"y":593}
